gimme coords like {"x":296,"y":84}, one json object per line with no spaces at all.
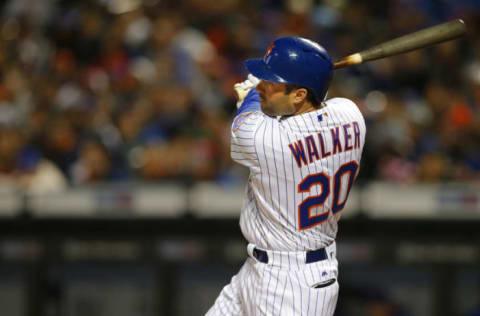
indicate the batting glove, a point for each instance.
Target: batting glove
{"x":242,"y":88}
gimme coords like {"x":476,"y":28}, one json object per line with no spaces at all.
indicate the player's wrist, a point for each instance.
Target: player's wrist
{"x":241,"y":89}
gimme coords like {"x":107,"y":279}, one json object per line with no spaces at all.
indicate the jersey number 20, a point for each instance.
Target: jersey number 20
{"x":305,"y":220}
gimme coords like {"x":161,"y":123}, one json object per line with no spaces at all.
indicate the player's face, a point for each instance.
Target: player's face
{"x":273,"y":99}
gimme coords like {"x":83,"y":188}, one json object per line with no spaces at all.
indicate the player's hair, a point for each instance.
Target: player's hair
{"x":310,"y":95}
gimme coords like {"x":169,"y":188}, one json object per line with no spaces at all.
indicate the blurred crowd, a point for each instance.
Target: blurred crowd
{"x":141,"y":90}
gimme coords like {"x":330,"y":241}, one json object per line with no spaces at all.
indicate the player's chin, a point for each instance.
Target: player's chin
{"x":266,"y":109}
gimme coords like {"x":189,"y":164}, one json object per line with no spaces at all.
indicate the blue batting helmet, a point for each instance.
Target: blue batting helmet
{"x":295,"y":60}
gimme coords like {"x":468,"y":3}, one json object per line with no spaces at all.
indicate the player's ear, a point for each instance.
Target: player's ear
{"x":300,"y":95}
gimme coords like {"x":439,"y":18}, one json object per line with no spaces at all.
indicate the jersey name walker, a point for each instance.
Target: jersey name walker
{"x":301,"y":171}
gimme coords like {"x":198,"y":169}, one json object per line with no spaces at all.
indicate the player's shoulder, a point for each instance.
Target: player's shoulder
{"x":244,"y":119}
{"x":343,"y":105}
{"x":344,"y":102}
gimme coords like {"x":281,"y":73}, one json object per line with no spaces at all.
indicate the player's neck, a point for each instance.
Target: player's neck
{"x":305,"y":108}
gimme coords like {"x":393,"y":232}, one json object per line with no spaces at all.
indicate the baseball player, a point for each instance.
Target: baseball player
{"x":303,"y":153}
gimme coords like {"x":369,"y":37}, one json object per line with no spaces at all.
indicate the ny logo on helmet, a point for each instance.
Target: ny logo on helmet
{"x":267,"y":53}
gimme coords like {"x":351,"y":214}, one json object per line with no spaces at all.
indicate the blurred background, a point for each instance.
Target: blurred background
{"x":117,"y":192}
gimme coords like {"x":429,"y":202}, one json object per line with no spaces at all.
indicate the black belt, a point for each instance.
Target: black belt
{"x":312,"y":255}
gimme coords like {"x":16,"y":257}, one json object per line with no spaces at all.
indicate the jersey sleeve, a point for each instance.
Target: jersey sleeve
{"x":244,"y":128}
{"x":251,"y":103}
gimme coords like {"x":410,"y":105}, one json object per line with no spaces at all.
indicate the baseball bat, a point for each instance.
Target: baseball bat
{"x":432,"y":35}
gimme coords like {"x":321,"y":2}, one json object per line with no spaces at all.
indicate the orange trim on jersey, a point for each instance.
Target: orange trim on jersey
{"x":336,"y":196}
{"x":356,"y":132}
{"x":311,"y":148}
{"x":347,"y":136}
{"x":336,"y":140}
{"x":322,"y":146}
{"x":298,"y":153}
{"x":312,"y":197}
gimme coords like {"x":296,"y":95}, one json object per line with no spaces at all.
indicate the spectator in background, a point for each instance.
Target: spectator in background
{"x":151,"y":81}
{"x":22,"y":168}
{"x":93,"y":164}
{"x":60,"y":143}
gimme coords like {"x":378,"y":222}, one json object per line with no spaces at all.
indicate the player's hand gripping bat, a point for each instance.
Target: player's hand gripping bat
{"x":242,"y":88}
{"x":429,"y":36}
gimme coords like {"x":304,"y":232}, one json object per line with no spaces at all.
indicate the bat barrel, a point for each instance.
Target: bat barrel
{"x":435,"y":34}
{"x":420,"y":39}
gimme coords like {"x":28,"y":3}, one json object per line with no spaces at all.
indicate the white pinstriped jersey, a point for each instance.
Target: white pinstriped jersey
{"x":301,"y":170}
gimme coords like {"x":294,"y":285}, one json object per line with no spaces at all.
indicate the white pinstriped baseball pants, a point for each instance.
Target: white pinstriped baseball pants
{"x":285,"y":286}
